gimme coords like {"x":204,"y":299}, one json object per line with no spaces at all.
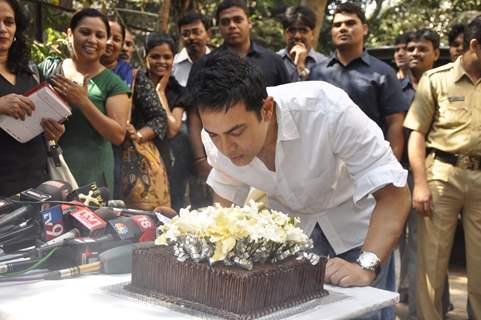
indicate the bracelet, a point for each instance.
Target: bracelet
{"x":200,"y":158}
{"x":140,"y":136}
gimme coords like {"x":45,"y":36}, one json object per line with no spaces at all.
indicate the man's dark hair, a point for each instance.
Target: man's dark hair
{"x":155,"y":39}
{"x":88,"y":13}
{"x":193,"y":16}
{"x":472,"y":31}
{"x":455,"y":31}
{"x":351,"y":8}
{"x":298,"y":14}
{"x":227,"y":4}
{"x":19,"y":53}
{"x":402,"y":38}
{"x":225,"y":80}
{"x":426,"y":35}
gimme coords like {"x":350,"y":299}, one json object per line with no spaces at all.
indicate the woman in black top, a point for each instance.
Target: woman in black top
{"x":176,"y":151}
{"x":22,"y":165}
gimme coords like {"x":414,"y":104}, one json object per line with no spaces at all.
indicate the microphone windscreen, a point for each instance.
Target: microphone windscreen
{"x":57,"y":189}
{"x":119,"y":260}
{"x":90,"y":195}
{"x":116,"y":204}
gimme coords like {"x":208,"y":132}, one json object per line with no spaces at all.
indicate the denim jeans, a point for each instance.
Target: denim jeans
{"x":385,"y":280}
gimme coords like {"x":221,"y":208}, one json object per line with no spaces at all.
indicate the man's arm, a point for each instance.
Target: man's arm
{"x":392,"y":204}
{"x":201,"y":165}
{"x":417,"y":156}
{"x":395,"y":134}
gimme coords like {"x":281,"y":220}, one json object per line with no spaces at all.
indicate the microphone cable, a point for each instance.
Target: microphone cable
{"x":18,"y":275}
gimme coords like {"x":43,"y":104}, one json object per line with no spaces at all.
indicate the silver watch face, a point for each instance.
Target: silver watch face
{"x":368,"y":260}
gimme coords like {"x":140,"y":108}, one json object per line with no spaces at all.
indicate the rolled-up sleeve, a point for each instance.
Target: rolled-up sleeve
{"x":360,"y":144}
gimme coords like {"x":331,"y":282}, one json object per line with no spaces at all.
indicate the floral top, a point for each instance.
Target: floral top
{"x":147,"y":110}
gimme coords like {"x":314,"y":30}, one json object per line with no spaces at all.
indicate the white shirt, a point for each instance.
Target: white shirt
{"x":182,"y":66}
{"x":329,"y":158}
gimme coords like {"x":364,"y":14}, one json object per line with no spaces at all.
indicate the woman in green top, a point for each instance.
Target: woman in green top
{"x":99,"y":100}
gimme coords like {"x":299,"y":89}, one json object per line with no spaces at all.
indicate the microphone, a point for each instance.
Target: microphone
{"x":46,"y":191}
{"x":114,"y":261}
{"x":17,"y":265}
{"x":119,"y":260}
{"x":60,"y":240}
{"x":90,"y":195}
{"x":87,"y":221}
{"x":54,"y":223}
{"x":162,"y":214}
{"x":16,"y":215}
{"x":135,"y":227}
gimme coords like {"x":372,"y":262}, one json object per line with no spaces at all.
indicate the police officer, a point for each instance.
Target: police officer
{"x":445,"y":157}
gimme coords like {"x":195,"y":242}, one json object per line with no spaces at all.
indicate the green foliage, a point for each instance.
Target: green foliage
{"x":55,"y":45}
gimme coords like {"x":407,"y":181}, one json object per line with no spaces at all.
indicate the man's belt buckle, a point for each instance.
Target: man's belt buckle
{"x":469,"y":163}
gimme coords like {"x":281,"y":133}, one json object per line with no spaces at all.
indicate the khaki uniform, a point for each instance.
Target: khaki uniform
{"x":447,"y":109}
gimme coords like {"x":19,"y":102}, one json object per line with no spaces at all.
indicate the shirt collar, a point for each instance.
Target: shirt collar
{"x":310,"y":54}
{"x":365,"y":57}
{"x":406,"y":82}
{"x":458,"y":70}
{"x":286,"y":127}
{"x":183,"y":55}
{"x":253,"y":48}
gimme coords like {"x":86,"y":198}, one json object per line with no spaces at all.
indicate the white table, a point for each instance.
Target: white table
{"x":90,"y":297}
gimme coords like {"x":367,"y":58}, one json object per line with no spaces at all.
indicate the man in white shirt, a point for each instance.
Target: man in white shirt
{"x":194,"y":33}
{"x":314,"y":152}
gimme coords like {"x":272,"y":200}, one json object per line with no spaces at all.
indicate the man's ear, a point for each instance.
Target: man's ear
{"x":365,"y":30}
{"x":437,"y":53}
{"x":473,"y":44}
{"x":267,"y":109}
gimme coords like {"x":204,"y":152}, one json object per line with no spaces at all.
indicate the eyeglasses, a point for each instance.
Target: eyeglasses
{"x":196,"y":32}
{"x":292,"y":31}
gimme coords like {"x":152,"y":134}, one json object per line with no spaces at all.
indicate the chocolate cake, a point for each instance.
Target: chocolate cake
{"x":227,"y":291}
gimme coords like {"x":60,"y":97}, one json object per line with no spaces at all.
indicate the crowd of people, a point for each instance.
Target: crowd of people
{"x":336,"y":140}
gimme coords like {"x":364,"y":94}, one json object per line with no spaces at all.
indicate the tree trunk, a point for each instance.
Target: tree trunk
{"x":319,"y":8}
{"x":164,"y":16}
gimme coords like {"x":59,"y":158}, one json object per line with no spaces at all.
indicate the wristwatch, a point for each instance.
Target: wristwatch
{"x":369,"y":261}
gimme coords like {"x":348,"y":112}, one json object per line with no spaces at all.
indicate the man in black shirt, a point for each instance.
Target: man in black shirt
{"x":370,"y":83}
{"x":234,"y":27}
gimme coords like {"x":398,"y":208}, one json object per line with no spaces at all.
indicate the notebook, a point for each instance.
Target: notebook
{"x":48,"y":104}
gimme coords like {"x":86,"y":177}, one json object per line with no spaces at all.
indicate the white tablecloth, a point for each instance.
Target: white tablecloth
{"x":93,"y":297}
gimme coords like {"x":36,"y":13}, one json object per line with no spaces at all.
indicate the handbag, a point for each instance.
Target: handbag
{"x":144,"y":181}
{"x":57,"y":166}
{"x":144,"y":177}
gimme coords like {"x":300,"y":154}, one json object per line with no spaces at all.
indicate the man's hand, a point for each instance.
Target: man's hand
{"x":202,"y":167}
{"x":298,"y":54}
{"x":343,"y":273}
{"x":422,"y":199}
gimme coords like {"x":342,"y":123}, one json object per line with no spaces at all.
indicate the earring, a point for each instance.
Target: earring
{"x":14,"y":39}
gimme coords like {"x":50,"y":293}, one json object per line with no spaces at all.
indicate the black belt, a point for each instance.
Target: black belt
{"x":458,"y":160}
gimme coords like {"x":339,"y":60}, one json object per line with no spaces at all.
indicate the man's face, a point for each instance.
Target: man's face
{"x":195,"y":37}
{"x":401,"y":56}
{"x":129,"y":46}
{"x":234,"y":26}
{"x":238,"y":133}
{"x":421,"y":55}
{"x":456,"y":48}
{"x":348,"y":31}
{"x":299,"y":33}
